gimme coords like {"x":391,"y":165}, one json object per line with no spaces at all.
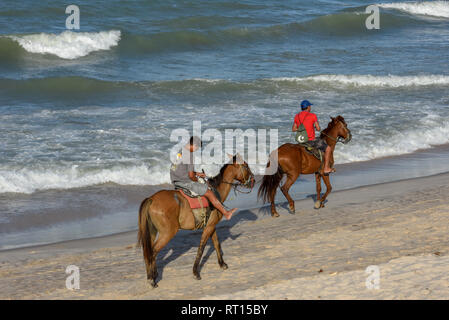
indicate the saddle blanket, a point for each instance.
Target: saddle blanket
{"x":195,"y":203}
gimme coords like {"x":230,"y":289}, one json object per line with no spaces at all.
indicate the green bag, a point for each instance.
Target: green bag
{"x":301,"y":133}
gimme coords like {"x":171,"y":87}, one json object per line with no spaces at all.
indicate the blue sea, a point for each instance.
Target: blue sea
{"x":86,"y":115}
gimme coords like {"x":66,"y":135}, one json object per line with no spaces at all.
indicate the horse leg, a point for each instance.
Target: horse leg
{"x":150,"y":263}
{"x":161,"y":242}
{"x":318,"y":190}
{"x":274,"y":213}
{"x":217,"y":246}
{"x":327,"y":182}
{"x":208,"y":231}
{"x":291,"y":178}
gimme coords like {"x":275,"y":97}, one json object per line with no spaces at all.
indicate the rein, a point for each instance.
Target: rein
{"x":339,"y":139}
{"x":247,"y":183}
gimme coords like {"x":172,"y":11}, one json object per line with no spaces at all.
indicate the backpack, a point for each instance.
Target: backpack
{"x":301,"y":133}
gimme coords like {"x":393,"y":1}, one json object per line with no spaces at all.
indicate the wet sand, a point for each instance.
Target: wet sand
{"x":401,"y":227}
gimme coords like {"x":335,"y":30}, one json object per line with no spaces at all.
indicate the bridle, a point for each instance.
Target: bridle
{"x":248,"y":183}
{"x":340,"y":139}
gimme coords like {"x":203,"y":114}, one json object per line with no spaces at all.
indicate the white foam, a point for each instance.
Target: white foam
{"x":365,"y":146}
{"x":29,"y":180}
{"x":369,"y":147}
{"x":374,"y":81}
{"x":427,"y":8}
{"x":68,"y":44}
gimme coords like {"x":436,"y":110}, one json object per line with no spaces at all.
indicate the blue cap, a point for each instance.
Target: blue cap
{"x":305,"y":104}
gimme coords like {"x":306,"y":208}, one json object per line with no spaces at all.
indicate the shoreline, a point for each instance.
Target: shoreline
{"x":99,"y":211}
{"x":103,"y":238}
{"x":364,"y":226}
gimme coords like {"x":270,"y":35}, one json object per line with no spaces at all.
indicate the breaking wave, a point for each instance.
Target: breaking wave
{"x":428,"y":8}
{"x":68,"y":44}
{"x":29,"y":180}
{"x":374,"y":81}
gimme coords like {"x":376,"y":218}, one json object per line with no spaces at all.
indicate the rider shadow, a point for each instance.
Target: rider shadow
{"x":181,"y":244}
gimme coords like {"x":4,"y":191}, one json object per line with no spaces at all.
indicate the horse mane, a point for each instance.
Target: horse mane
{"x":331,"y":124}
{"x":215,"y":181}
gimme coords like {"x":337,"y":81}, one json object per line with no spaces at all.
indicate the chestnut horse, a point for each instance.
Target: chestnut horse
{"x":293,"y":160}
{"x":167,"y":211}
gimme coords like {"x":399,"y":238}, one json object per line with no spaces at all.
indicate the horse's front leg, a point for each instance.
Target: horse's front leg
{"x":327,"y":182}
{"x":207,"y":232}
{"x":318,"y":190}
{"x":217,"y":246}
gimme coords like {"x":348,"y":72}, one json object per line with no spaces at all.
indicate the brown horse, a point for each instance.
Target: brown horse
{"x":292,"y":160}
{"x":167,"y":211}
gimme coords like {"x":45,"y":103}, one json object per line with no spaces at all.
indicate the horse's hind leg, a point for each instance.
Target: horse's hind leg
{"x":166,"y":231}
{"x":208,"y":231}
{"x":217,"y":246}
{"x":161,"y":242}
{"x":151,"y":262}
{"x":291,"y":178}
{"x":274,"y":213}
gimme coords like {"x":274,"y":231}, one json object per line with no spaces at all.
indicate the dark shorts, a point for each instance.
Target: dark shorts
{"x":318,"y":143}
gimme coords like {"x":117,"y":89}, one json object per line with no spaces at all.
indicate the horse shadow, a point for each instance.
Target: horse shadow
{"x":185,"y":240}
{"x":314,"y":197}
{"x":266,"y":210}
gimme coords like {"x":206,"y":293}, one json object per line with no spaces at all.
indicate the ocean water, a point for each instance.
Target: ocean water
{"x":87,"y":114}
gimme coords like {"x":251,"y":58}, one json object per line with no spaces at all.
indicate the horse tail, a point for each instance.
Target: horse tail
{"x":146,"y":228}
{"x":269,"y":185}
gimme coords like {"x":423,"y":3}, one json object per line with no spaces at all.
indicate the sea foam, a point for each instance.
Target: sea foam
{"x":362,"y":148}
{"x":68,"y":44}
{"x":408,"y":141}
{"x":427,"y":8}
{"x":29,"y":180}
{"x":374,"y":81}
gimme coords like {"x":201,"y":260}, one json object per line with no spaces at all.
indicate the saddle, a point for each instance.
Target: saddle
{"x":313,"y":151}
{"x":200,"y":208}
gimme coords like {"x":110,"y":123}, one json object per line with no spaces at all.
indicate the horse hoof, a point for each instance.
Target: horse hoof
{"x":196,"y":277}
{"x":317,"y":205}
{"x":292,"y":210}
{"x":224,"y":266}
{"x":275,"y":214}
{"x":153,"y":284}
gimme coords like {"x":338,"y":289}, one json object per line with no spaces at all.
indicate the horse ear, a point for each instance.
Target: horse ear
{"x":239,"y":158}
{"x":332,"y":118}
{"x":230,"y":156}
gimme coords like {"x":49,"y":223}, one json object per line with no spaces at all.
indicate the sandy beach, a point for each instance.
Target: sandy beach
{"x":400,"y":227}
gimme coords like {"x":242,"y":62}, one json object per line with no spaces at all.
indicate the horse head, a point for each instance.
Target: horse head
{"x":342,"y":131}
{"x":242,"y":172}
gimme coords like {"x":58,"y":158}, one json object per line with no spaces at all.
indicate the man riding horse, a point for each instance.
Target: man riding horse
{"x":166,"y":212}
{"x":183,"y":176}
{"x":310,"y":122}
{"x":291,"y":160}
